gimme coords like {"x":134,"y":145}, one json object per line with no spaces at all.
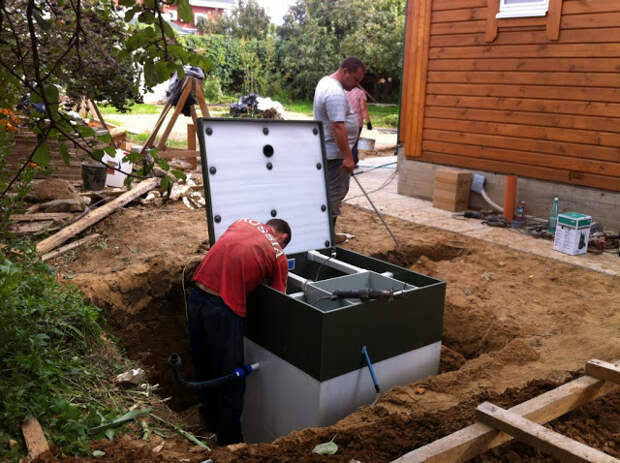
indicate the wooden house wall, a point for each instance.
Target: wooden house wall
{"x":522,"y":103}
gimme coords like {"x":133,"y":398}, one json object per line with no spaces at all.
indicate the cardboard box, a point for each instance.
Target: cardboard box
{"x":451,"y":189}
{"x":572,"y":233}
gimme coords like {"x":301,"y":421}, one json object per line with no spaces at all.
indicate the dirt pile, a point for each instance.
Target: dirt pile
{"x":515,"y":325}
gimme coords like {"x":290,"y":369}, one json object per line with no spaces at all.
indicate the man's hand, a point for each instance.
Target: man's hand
{"x":348,"y":165}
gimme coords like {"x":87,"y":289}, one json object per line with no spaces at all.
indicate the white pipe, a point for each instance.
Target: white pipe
{"x":490,"y":201}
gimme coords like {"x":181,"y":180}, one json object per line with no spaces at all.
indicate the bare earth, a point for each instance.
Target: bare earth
{"x":515,"y":325}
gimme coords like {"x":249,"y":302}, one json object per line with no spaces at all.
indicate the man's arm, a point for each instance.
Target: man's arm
{"x":280,"y":274}
{"x":342,"y":140}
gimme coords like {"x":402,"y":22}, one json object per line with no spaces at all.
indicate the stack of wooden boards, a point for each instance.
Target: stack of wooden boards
{"x":451,"y":189}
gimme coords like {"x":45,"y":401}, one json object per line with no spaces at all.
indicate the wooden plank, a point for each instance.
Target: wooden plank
{"x":527,"y":64}
{"x":600,"y":94}
{"x":611,"y":169}
{"x":590,"y":6}
{"x":605,"y":371}
{"x":490,"y":33}
{"x":178,"y":153}
{"x":510,"y":23}
{"x":595,"y":20}
{"x":568,"y":177}
{"x":463,"y":27}
{"x":527,"y":118}
{"x":543,"y":439}
{"x":554,"y":16}
{"x":415,"y":73}
{"x":191,"y":137}
{"x":478,"y":438}
{"x":595,"y":138}
{"x":526,"y":104}
{"x":96,"y":215}
{"x":529,"y":37}
{"x":516,"y":77}
{"x":57,"y":216}
{"x":551,"y":50}
{"x":70,"y":246}
{"x":150,"y":141}
{"x":200,"y":96}
{"x":465,"y":14}
{"x":526,"y":144}
{"x":442,"y":5}
{"x":34,"y":438}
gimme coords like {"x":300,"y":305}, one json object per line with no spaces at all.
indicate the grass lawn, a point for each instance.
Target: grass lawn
{"x":381,"y":116}
{"x":141,"y":108}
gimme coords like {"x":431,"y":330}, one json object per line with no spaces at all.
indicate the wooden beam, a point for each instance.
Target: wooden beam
{"x":34,"y":438}
{"x":96,"y":215}
{"x":491,"y":27}
{"x":150,"y":141}
{"x":187,"y":89}
{"x":603,"y":370}
{"x":68,"y":247}
{"x":478,"y":438}
{"x":178,"y":153}
{"x":200,"y":96}
{"x":548,"y":441}
{"x":58,"y":216}
{"x":554,"y":17}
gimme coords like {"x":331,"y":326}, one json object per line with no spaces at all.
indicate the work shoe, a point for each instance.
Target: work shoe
{"x":340,"y":238}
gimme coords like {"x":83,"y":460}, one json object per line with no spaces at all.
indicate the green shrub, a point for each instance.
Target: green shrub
{"x":46,"y":334}
{"x":212,"y":89}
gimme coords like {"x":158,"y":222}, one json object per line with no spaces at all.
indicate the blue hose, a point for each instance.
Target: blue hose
{"x":372,"y":371}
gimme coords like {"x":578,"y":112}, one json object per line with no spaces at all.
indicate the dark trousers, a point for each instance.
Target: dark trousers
{"x":354,"y":150}
{"x":216,"y":338}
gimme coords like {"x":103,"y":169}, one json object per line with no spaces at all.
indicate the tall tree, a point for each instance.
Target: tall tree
{"x":248,"y":20}
{"x":317,"y":34}
{"x":82,"y":48}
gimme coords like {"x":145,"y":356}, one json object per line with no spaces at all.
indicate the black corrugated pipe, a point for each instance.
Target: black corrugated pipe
{"x":175,"y":362}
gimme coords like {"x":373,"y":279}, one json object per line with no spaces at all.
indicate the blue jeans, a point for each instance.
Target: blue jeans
{"x":216,"y":339}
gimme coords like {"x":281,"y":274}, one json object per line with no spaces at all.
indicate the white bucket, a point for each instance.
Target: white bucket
{"x":366,"y":144}
{"x":114,"y":177}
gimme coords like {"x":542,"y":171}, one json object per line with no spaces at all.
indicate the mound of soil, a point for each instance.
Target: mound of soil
{"x":515,"y":325}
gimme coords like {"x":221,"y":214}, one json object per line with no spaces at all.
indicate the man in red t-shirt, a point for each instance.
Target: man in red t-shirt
{"x":245,"y":255}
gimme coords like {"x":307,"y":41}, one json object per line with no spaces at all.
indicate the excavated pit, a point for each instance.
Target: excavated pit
{"x":150,"y":320}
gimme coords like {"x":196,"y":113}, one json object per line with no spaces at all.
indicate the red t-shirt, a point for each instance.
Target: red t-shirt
{"x":245,"y":255}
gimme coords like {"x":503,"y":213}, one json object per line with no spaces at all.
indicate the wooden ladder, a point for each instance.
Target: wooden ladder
{"x":190,"y":83}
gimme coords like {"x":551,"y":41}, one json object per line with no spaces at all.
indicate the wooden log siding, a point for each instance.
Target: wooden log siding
{"x":522,"y":104}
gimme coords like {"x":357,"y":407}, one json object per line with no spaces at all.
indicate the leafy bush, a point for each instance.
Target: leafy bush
{"x":212,"y":89}
{"x":46,"y":331}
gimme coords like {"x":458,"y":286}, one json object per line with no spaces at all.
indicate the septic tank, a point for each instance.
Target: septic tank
{"x":307,"y":341}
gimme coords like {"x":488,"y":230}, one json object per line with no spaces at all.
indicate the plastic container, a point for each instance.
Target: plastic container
{"x":553,"y":216}
{"x":519,"y":220}
{"x":93,"y":176}
{"x":366,"y":144}
{"x":116,"y":178}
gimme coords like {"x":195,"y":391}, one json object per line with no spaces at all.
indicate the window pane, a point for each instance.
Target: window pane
{"x":519,"y":2}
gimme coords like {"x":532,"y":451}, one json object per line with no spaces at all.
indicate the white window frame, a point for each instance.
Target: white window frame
{"x":523,"y":10}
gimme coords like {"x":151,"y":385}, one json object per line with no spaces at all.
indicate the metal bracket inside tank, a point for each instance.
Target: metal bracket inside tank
{"x":356,"y":279}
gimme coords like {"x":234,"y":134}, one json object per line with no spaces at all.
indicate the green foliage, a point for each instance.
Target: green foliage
{"x":317,"y":35}
{"x":247,"y":20}
{"x":9,"y":204}
{"x":46,"y":333}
